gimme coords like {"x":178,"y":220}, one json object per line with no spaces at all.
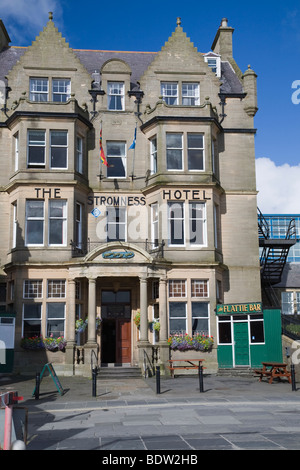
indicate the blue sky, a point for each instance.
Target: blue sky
{"x":267,"y":36}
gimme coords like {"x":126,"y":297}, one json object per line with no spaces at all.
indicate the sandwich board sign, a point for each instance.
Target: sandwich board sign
{"x":49,"y":367}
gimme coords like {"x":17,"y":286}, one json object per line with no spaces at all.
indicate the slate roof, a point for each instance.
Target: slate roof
{"x":138,"y":62}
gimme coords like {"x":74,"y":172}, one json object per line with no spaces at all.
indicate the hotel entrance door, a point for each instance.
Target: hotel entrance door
{"x":116,"y":327}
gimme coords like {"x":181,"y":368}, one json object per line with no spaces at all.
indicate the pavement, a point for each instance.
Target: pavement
{"x":231,"y":413}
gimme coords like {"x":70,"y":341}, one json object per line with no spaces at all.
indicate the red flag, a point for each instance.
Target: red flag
{"x":102,"y":154}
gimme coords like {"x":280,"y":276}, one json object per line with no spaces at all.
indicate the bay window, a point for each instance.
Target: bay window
{"x":34,"y":230}
{"x":176,"y":223}
{"x":195,"y":150}
{"x":59,"y":149}
{"x":197,"y":223}
{"x":57,"y":222}
{"x":56,"y":319}
{"x":174,"y":148}
{"x":36,"y":148}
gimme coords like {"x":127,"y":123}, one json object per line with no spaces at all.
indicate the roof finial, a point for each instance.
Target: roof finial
{"x":178,"y":21}
{"x":50,"y":15}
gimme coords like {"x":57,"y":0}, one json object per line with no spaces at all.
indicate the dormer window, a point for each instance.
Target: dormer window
{"x":60,"y":89}
{"x":115,"y":96}
{"x":39,"y":89}
{"x":214,"y":62}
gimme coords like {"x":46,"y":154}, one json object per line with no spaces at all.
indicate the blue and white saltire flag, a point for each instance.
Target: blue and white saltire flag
{"x":132,"y":146}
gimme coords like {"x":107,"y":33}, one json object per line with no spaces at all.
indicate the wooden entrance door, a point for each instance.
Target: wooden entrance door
{"x":241,"y":344}
{"x":123,"y":341}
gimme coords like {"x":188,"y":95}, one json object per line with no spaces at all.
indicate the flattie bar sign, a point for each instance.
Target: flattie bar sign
{"x":226,"y":309}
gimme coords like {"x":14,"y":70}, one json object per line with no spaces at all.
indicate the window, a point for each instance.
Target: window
{"x":16,"y":147}
{"x":61,"y":90}
{"x":190,"y":94}
{"x":78,"y":225}
{"x":195,"y":151}
{"x":34,"y":231}
{"x":116,"y":224}
{"x":224,"y":330}
{"x":197,"y":223}
{"x":174,"y":151}
{"x":115,"y":96}
{"x":56,"y":288}
{"x":79,"y":155}
{"x":59,"y":149}
{"x":169,"y":92}
{"x":116,"y":158}
{"x":39,"y":89}
{"x":15,"y":225}
{"x":256,"y":329}
{"x":176,"y":223}
{"x":55,"y":319}
{"x":199,"y":288}
{"x":153,"y":155}
{"x":200,"y":318}
{"x":154,"y":225}
{"x":57,"y":222}
{"x":177,"y":317}
{"x":177,"y":288}
{"x":32,"y":319}
{"x":287,"y":303}
{"x":33,"y":289}
{"x":36,"y":148}
{"x":214,"y":62}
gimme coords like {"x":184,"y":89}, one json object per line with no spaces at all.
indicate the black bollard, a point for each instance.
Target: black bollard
{"x":37,"y":386}
{"x":200,"y":371}
{"x":158,"y":380}
{"x":94,"y":380}
{"x":293,"y":377}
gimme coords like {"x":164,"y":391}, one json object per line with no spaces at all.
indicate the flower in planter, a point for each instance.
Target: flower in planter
{"x":156,"y":324}
{"x":185,"y":342}
{"x":80,"y":325}
{"x":137,"y":319}
{"x":38,"y":343}
{"x":51,"y":343}
{"x":33,"y":343}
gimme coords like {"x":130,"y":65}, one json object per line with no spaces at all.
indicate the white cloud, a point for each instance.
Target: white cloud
{"x":24,"y":19}
{"x":278,"y":186}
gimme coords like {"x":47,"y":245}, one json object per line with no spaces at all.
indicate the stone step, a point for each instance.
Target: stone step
{"x":118,"y":372}
{"x":236,"y":372}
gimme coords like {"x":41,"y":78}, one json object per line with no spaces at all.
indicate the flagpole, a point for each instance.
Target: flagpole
{"x":133,"y":160}
{"x":100,"y":163}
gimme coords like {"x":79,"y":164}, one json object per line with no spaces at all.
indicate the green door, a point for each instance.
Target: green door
{"x":241,"y":344}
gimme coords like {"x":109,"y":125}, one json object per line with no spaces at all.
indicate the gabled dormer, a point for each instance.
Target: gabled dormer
{"x":48,"y":72}
{"x":213,"y":60}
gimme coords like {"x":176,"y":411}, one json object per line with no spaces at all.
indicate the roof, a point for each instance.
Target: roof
{"x":138,"y":62}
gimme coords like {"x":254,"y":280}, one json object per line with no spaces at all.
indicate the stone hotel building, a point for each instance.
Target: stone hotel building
{"x":128,"y":202}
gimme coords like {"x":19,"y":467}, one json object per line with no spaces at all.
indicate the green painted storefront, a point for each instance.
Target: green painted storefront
{"x":248,"y":335}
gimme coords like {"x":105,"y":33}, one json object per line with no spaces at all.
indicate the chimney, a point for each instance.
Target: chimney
{"x":223,"y":41}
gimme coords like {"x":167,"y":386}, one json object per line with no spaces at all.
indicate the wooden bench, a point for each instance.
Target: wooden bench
{"x":273,"y":370}
{"x":189,"y":364}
